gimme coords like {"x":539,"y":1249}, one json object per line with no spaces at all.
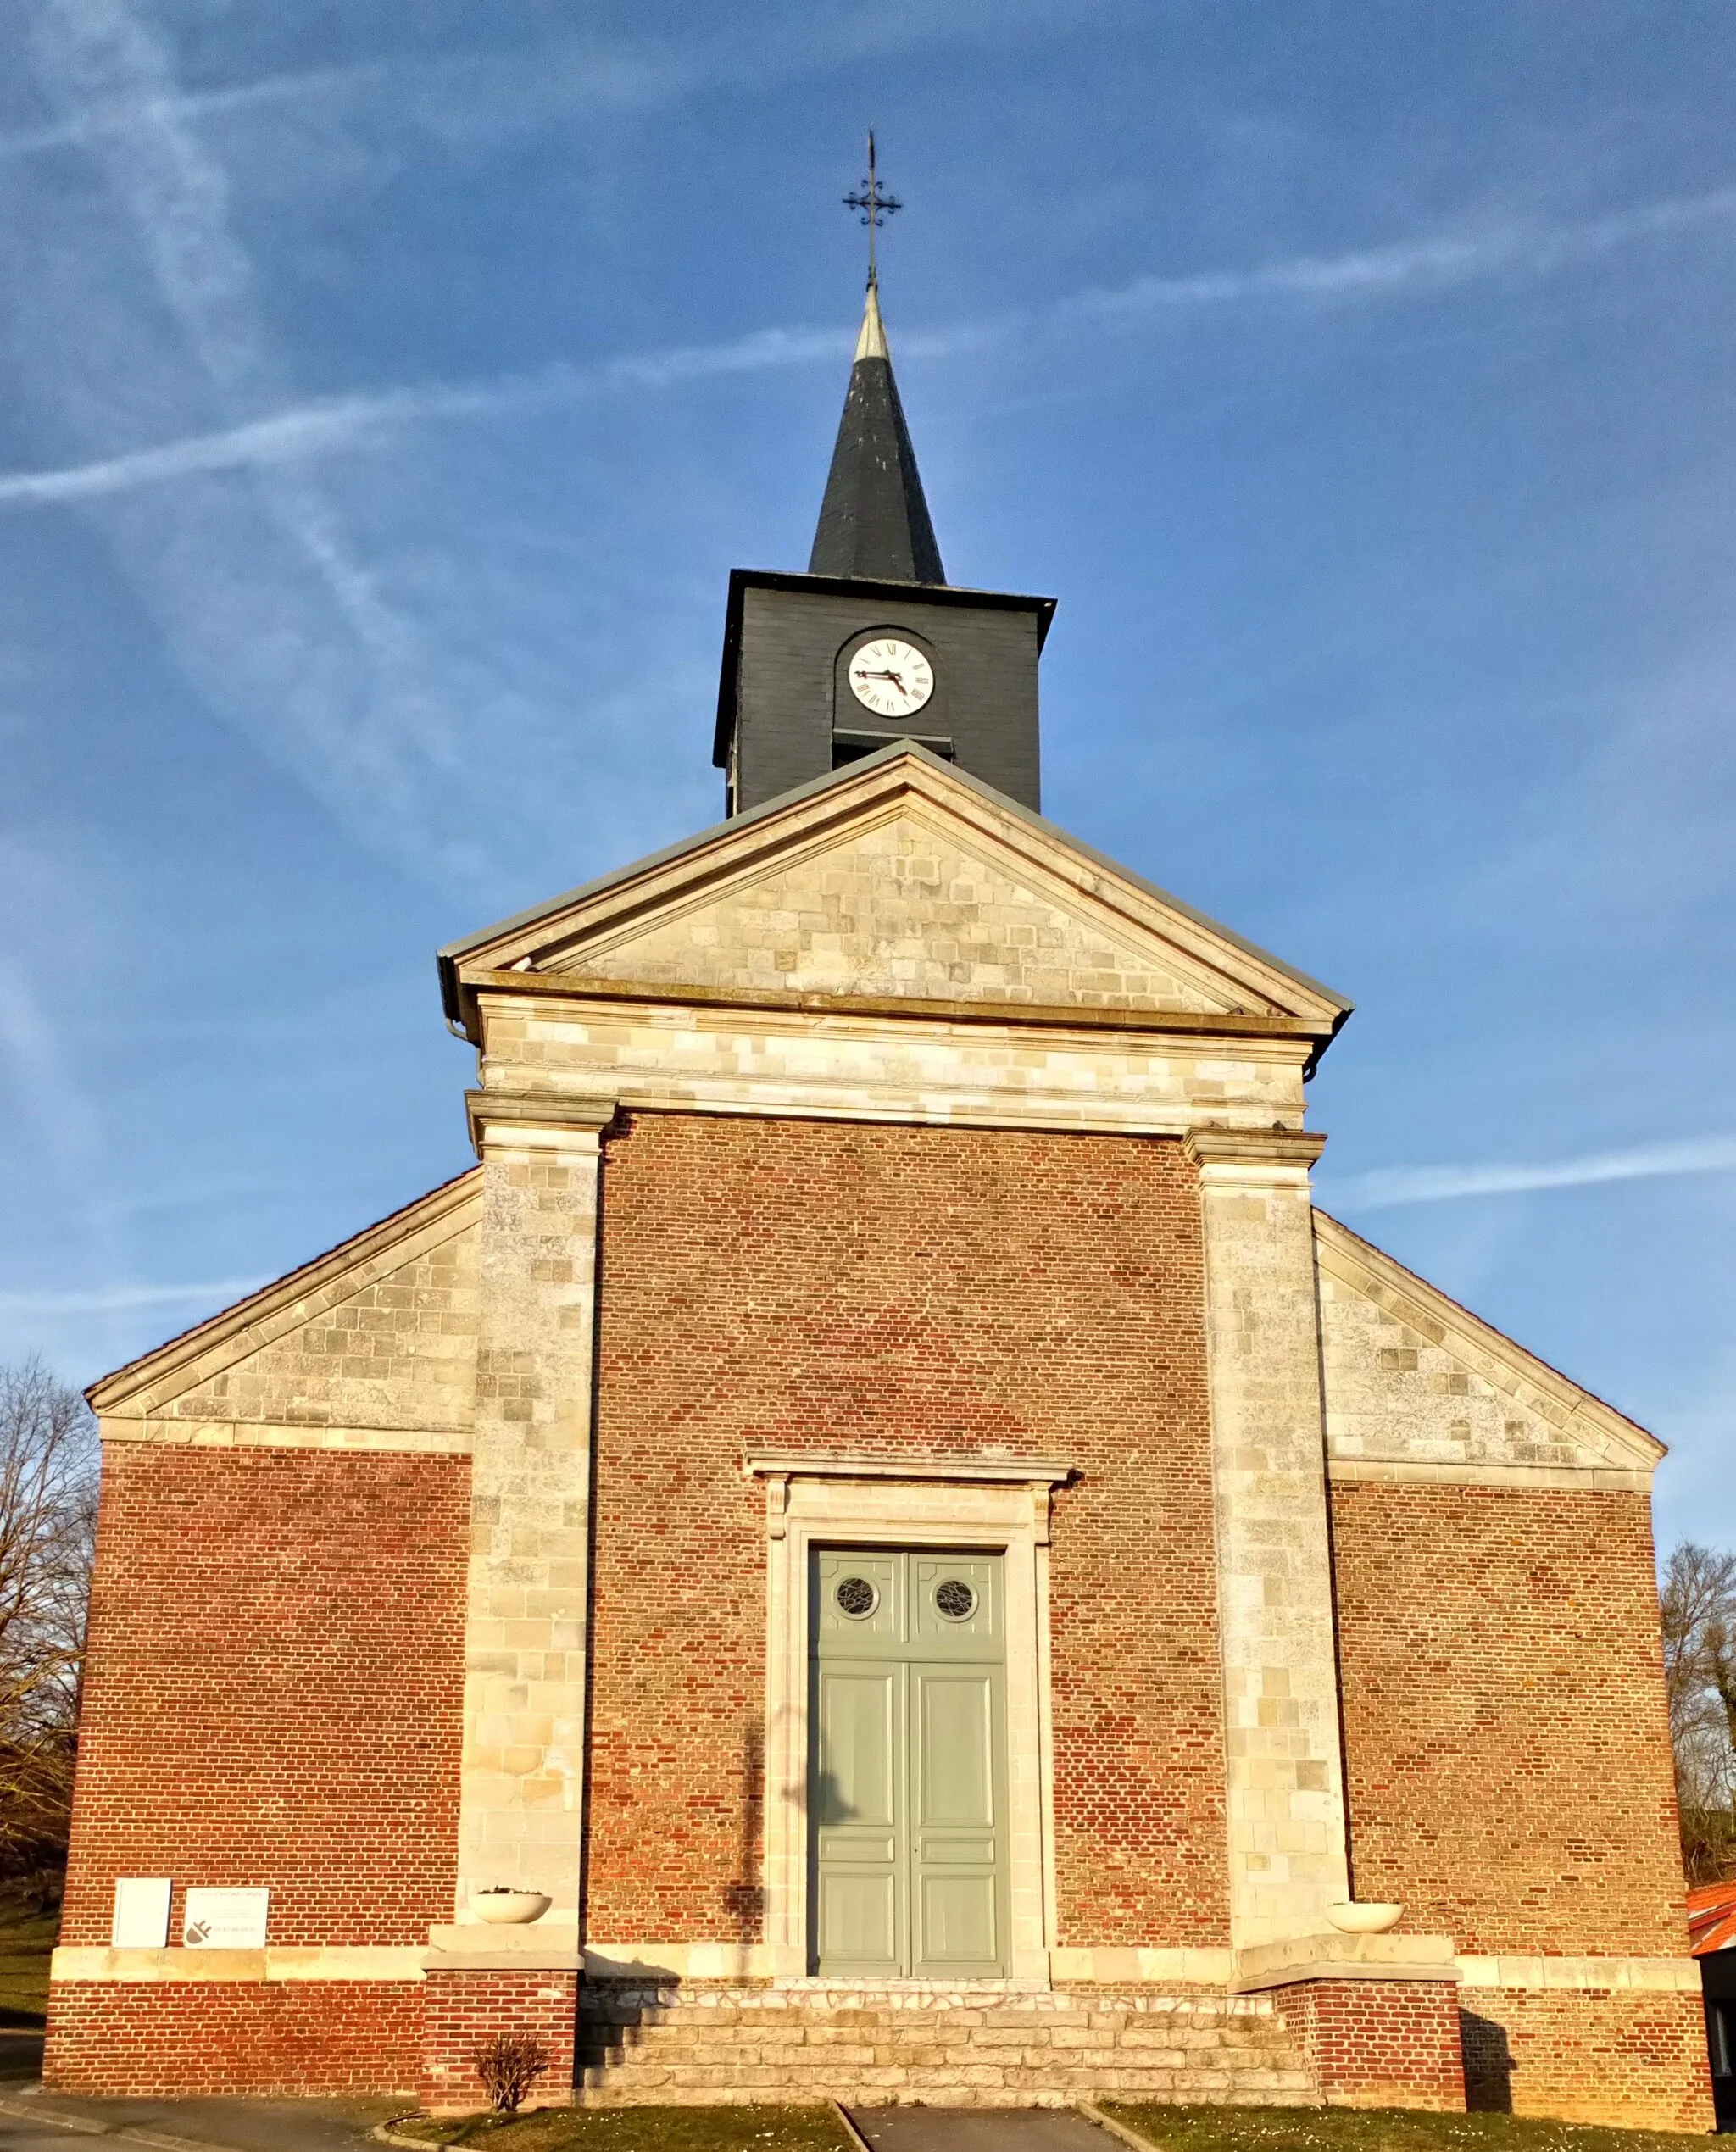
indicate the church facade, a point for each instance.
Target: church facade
{"x":879,"y":1509}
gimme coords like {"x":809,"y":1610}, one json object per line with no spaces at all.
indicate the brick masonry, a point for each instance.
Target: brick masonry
{"x":812,"y":1283}
{"x":130,"y":2040}
{"x":466,"y":2010}
{"x":1509,"y":1761}
{"x":1379,"y":2043}
{"x":273,"y":1688}
{"x":1589,"y":2055}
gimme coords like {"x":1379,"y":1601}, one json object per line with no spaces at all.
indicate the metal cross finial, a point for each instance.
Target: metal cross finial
{"x":875,"y":206}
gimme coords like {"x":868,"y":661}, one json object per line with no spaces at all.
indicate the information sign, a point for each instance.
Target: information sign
{"x":225,"y":1919}
{"x":141,"y":1919}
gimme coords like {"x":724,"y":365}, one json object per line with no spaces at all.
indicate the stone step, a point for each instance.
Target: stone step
{"x":959,"y":2046}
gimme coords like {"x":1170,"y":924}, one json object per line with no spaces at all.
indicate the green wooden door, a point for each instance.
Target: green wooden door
{"x":907,"y":1773}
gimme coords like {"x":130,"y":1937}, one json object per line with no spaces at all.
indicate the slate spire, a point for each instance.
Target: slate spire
{"x":874,"y":521}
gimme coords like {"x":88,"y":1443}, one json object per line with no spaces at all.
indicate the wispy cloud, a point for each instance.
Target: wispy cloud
{"x":264,"y":599}
{"x":350,"y":424}
{"x":354,"y":422}
{"x":117,"y":1299}
{"x":1390,"y":1186}
{"x":481,"y":91}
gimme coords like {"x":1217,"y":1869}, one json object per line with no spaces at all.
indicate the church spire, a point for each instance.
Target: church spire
{"x":874,"y":521}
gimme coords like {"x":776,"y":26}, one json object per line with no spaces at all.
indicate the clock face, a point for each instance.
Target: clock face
{"x":891,"y":678}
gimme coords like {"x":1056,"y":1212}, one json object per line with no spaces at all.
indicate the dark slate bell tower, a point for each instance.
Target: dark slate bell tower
{"x":873,"y":644}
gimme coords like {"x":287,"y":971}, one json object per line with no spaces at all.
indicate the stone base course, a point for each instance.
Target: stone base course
{"x":966,"y":2046}
{"x":160,"y":2040}
{"x":1629,"y":2057}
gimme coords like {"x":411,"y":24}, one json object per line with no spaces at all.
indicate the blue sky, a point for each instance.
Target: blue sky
{"x":388,"y":390}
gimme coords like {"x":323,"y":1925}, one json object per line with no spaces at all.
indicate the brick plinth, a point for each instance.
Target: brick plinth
{"x":466,"y":2008}
{"x":689,"y":2043}
{"x":1624,"y":2057}
{"x":158,"y":2040}
{"x":1380,"y":2043}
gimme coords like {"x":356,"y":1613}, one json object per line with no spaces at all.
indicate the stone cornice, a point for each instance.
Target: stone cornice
{"x":1249,"y":1147}
{"x":1343,"y":1957}
{"x":841,"y":1465}
{"x":1188,"y":1023}
{"x":553,"y":1111}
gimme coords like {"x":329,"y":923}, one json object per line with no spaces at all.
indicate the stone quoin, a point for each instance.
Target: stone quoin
{"x":881,"y":1496}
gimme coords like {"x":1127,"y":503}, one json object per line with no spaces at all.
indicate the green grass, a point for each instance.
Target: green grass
{"x":641,"y":2129}
{"x":27,"y":1935}
{"x":1351,"y":2129}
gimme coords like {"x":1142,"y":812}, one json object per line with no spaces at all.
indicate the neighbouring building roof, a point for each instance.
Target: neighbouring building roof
{"x":1711,"y":1917}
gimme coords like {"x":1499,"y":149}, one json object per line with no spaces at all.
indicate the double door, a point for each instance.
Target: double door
{"x":907,"y":1764}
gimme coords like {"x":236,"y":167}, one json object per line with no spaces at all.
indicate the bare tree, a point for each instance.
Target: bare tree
{"x":47,"y":1535}
{"x":1699,"y":1602}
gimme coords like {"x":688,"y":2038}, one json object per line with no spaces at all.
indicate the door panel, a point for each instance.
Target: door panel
{"x":955,"y":1918}
{"x":908,"y":1773}
{"x":857,"y":1803}
{"x":955,"y":1816}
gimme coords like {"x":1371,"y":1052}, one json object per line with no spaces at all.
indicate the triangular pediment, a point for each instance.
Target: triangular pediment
{"x":899,"y":878}
{"x":1416,"y":1385}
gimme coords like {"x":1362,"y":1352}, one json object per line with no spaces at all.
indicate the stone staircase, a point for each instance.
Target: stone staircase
{"x":987,"y":2044}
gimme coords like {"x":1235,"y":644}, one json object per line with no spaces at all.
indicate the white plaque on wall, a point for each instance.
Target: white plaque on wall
{"x":224,"y":1920}
{"x":141,"y":1919}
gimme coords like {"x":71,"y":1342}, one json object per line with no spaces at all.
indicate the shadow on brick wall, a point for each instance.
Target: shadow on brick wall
{"x":744,"y":1898}
{"x":1488,"y":2065}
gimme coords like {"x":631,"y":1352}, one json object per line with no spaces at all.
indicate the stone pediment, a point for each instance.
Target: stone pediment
{"x":897,"y":878}
{"x":1418,"y":1387}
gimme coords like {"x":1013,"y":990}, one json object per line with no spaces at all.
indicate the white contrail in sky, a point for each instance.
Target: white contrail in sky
{"x":1389,"y":1185}
{"x":114,"y":1300}
{"x":336,"y":424}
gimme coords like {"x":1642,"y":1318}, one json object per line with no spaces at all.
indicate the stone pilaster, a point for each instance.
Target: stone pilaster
{"x":1285,"y":1779}
{"x":521,"y":1801}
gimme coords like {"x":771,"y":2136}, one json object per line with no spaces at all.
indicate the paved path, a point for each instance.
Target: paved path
{"x":33,"y":2121}
{"x":979,"y":2129}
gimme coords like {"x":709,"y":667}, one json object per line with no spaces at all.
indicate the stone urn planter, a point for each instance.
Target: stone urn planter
{"x":509,"y":1907}
{"x":1372,"y":1918}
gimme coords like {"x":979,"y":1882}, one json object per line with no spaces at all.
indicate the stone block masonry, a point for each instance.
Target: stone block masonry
{"x":656,"y":2044}
{"x":522,"y":1810}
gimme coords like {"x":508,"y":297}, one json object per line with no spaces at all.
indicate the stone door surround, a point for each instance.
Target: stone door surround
{"x":992,"y":1505}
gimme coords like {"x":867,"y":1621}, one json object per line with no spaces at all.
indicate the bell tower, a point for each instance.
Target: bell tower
{"x":873,"y":644}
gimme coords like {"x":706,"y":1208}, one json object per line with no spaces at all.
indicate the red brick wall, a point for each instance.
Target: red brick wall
{"x":132,"y":2040}
{"x":274,"y":1688}
{"x":1509,"y":1758}
{"x":1635,"y":2059}
{"x":807,"y":1284}
{"x":1380,"y":2043}
{"x":464,"y":2010}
